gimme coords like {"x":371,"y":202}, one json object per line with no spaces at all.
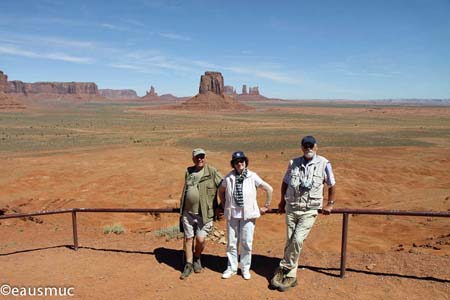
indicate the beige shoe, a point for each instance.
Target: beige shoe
{"x":278,"y":277}
{"x":287,"y":283}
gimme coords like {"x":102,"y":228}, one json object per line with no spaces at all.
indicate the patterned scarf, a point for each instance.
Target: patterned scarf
{"x":238,"y":194}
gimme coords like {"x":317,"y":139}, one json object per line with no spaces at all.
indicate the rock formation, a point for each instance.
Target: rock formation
{"x":3,"y":82}
{"x":253,"y":90}
{"x":229,"y":90}
{"x":118,"y":94}
{"x":151,"y":92}
{"x":86,"y":88}
{"x":7,"y":102}
{"x":211,"y":82}
{"x":211,"y":96}
{"x":244,"y":89}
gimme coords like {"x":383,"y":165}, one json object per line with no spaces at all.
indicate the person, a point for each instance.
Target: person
{"x":301,"y":198}
{"x":197,"y":206}
{"x":237,"y":196}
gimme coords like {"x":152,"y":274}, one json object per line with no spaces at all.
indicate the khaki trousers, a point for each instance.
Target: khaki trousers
{"x":299,"y":224}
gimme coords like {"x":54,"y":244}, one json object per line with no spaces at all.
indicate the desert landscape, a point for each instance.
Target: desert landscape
{"x":95,"y":151}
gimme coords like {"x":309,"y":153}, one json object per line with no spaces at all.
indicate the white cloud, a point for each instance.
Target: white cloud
{"x":36,"y":40}
{"x":174,"y":36}
{"x":12,"y":50}
{"x":274,"y":76}
{"x":113,"y":27}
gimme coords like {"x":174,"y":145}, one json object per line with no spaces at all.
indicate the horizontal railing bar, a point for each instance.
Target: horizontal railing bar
{"x":129,"y":210}
{"x":39,"y":213}
{"x":390,"y":212}
{"x":274,"y":210}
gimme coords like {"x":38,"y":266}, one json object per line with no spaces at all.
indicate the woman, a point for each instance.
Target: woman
{"x":238,"y":200}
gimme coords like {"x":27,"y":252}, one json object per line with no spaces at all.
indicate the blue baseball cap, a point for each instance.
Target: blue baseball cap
{"x":309,"y":139}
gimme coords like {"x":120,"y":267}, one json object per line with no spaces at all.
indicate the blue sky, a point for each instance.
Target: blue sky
{"x":320,"y":49}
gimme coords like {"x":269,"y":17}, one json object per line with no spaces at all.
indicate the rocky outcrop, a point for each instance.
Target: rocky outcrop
{"x":71,"y":88}
{"x":229,"y":90}
{"x":211,"y":96}
{"x":244,"y":89}
{"x":211,"y":82}
{"x":253,"y":90}
{"x":213,"y":102}
{"x":118,"y":94}
{"x":151,"y":92}
{"x":3,"y":82}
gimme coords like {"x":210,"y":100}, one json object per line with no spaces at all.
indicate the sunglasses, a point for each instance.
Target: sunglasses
{"x":308,"y":146}
{"x":200,"y":156}
{"x":239,"y":161}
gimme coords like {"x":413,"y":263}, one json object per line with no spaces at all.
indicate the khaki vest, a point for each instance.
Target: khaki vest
{"x":207,"y":189}
{"x":303,"y":199}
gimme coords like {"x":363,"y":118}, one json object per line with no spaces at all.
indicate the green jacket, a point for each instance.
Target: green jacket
{"x":207,"y":187}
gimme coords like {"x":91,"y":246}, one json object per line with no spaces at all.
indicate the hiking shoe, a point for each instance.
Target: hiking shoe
{"x":228,"y":274}
{"x":278,"y":277}
{"x":246,"y":274}
{"x":188,"y":268}
{"x":197,"y":265}
{"x":287,"y":283}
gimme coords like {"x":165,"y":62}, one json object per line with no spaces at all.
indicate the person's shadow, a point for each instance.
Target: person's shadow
{"x":261,"y":264}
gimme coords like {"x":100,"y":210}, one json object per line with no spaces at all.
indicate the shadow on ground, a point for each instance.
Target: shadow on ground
{"x":261,"y":264}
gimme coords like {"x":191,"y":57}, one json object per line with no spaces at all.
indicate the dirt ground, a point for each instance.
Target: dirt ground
{"x":388,"y":257}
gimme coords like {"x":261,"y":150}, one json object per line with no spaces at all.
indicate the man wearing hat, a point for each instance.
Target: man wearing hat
{"x":197,"y":206}
{"x":301,"y":198}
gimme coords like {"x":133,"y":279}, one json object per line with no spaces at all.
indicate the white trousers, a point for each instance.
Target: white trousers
{"x":240,"y":232}
{"x":299,"y":224}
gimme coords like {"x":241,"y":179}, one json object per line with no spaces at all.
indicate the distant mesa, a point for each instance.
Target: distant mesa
{"x":247,"y":94}
{"x":19,"y":87}
{"x":118,"y":94}
{"x":211,"y":95}
{"x":24,"y":91}
{"x":7,"y":102}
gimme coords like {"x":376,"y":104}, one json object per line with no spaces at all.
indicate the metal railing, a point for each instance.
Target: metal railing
{"x":344,"y":211}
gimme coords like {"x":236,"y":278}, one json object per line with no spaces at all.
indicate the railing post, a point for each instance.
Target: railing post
{"x":75,"y":229}
{"x":344,"y":243}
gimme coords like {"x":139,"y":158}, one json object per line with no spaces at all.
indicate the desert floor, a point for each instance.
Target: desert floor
{"x":95,"y":155}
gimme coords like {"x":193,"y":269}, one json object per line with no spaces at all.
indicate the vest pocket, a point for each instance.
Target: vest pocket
{"x":295,"y":177}
{"x":314,"y":202}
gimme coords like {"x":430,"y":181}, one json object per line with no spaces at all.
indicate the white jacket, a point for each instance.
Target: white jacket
{"x":251,"y":182}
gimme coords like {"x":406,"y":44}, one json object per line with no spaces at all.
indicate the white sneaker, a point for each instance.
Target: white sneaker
{"x":246,"y":275}
{"x":228,"y":273}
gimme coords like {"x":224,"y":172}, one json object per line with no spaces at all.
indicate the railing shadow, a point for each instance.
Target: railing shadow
{"x":117,"y":250}
{"x":334,"y":272}
{"x":36,"y":249}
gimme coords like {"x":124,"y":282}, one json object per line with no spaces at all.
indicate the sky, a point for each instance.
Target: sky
{"x":323,"y":49}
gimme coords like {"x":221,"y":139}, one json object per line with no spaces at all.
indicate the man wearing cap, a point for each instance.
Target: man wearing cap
{"x":301,"y":198}
{"x":197,"y":206}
